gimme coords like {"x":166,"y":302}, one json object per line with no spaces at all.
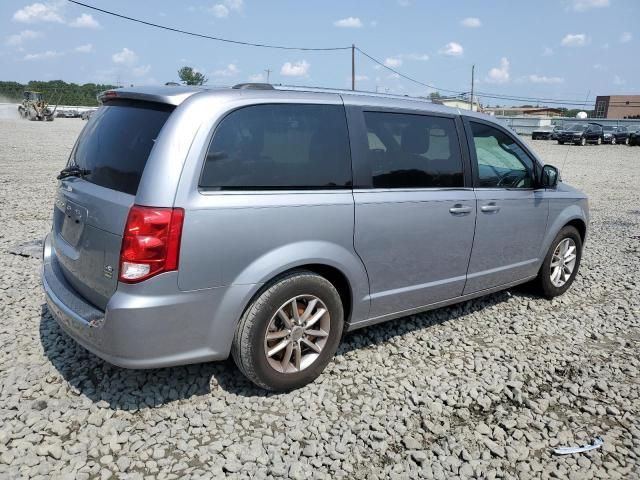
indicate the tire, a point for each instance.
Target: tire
{"x":583,"y":141}
{"x":560,"y":142}
{"x":599,"y":141}
{"x":544,"y":280}
{"x":613,"y":140}
{"x":626,"y":141}
{"x":249,"y":349}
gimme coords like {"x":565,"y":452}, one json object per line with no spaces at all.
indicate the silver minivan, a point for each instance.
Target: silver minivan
{"x":263,"y":222}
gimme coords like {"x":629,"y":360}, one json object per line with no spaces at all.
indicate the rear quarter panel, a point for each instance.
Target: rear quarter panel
{"x":248,"y":238}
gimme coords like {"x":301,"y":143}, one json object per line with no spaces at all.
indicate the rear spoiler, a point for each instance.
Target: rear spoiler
{"x":175,"y":98}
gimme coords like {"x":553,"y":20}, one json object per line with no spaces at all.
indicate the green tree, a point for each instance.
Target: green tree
{"x":190,"y":77}
{"x":435,"y":95}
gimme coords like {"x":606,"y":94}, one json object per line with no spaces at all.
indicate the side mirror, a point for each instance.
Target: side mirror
{"x":550,"y":177}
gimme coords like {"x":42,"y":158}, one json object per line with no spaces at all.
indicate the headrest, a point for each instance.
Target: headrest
{"x":415,"y":140}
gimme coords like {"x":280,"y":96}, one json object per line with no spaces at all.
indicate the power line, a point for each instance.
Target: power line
{"x":209,"y":37}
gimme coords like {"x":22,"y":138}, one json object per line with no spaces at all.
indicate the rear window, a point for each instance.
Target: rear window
{"x":284,"y":146}
{"x":116,"y":143}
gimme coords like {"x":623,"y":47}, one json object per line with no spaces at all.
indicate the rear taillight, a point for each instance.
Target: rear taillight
{"x":151,"y":242}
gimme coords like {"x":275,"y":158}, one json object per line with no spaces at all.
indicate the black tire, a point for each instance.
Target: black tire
{"x":248,"y":349}
{"x":560,"y":142}
{"x":547,"y":288}
{"x":599,"y":141}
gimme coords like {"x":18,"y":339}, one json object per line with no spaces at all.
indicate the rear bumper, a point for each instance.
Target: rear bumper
{"x":149,"y":327}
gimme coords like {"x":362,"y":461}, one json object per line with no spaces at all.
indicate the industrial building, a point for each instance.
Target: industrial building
{"x":618,"y":106}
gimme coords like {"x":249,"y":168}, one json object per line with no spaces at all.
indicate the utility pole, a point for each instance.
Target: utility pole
{"x":353,"y":66}
{"x":473,"y":67}
{"x":268,"y":73}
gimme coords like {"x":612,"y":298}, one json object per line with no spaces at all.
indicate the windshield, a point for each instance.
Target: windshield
{"x":609,"y":128}
{"x":577,"y":128}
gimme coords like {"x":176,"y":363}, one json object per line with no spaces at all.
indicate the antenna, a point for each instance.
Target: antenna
{"x":564,"y":162}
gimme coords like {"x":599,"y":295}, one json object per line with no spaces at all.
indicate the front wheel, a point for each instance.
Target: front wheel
{"x":583,"y":141}
{"x":290,"y":332}
{"x":613,"y":140}
{"x":561,"y":263}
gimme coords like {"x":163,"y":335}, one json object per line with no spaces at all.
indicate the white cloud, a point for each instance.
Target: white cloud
{"x":574,"y":40}
{"x":471,"y":22}
{"x":85,"y":21}
{"x":547,"y":52}
{"x":20,"y":38}
{"x":141,"y":70}
{"x":43,"y":55}
{"x":222,"y":10}
{"x":626,"y":37}
{"x":584,"y":5}
{"x":452,"y":49}
{"x":125,"y":56}
{"x":499,"y":74}
{"x":257,"y":78}
{"x":88,"y":48}
{"x":545,"y":79}
{"x":229,"y":71}
{"x":297,"y":69}
{"x":404,"y":3}
{"x":617,"y":80}
{"x":599,"y":66}
{"x":349,"y":22}
{"x":38,"y":12}
{"x":373,"y":23}
{"x":392,"y":62}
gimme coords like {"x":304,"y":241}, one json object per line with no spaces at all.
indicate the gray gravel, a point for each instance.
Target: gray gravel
{"x":479,"y":390}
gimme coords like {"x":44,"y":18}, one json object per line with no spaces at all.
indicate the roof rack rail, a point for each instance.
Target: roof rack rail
{"x":301,"y":88}
{"x":253,"y":86}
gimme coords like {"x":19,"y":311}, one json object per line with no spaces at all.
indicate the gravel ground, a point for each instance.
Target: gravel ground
{"x":478,"y":390}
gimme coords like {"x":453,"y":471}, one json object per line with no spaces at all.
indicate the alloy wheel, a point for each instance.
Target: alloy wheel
{"x":563,"y":262}
{"x":297,"y":333}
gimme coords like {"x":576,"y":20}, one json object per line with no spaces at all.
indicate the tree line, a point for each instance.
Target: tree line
{"x":55,"y":91}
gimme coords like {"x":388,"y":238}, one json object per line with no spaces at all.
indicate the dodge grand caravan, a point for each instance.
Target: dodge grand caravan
{"x":263,"y":222}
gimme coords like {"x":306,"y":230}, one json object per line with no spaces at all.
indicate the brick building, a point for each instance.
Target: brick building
{"x":618,"y":106}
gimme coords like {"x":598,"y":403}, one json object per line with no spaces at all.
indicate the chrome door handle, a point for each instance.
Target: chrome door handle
{"x":490,"y":208}
{"x":459,"y":209}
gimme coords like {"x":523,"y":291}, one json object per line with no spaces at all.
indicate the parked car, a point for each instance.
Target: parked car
{"x":191,"y":224}
{"x":634,"y":134}
{"x":86,"y":115}
{"x":615,"y":134}
{"x":581,"y":134}
{"x":546,"y":133}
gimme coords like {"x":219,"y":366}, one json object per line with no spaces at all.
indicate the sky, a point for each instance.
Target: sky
{"x":551,"y":49}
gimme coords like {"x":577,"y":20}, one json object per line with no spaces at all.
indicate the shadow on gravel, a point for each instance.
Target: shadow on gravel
{"x":128,"y":389}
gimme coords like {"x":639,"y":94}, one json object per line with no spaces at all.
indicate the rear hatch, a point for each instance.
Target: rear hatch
{"x":91,"y":211}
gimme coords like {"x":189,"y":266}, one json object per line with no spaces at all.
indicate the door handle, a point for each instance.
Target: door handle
{"x":490,"y":208}
{"x":459,"y":209}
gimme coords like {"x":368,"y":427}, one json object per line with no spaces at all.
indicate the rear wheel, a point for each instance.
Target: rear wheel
{"x":290,"y":332}
{"x":561,"y":263}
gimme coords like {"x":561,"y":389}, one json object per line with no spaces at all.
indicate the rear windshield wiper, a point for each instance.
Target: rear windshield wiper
{"x":73,"y":171}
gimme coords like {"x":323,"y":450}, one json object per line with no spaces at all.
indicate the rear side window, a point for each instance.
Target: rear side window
{"x":116,"y":143}
{"x":285,"y":146}
{"x":413,"y":151}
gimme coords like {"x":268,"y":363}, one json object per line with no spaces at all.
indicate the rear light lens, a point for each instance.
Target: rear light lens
{"x":151,"y":242}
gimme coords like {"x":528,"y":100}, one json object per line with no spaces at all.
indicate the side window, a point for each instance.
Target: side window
{"x":284,"y":146}
{"x":502,"y":163}
{"x":413,"y":151}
